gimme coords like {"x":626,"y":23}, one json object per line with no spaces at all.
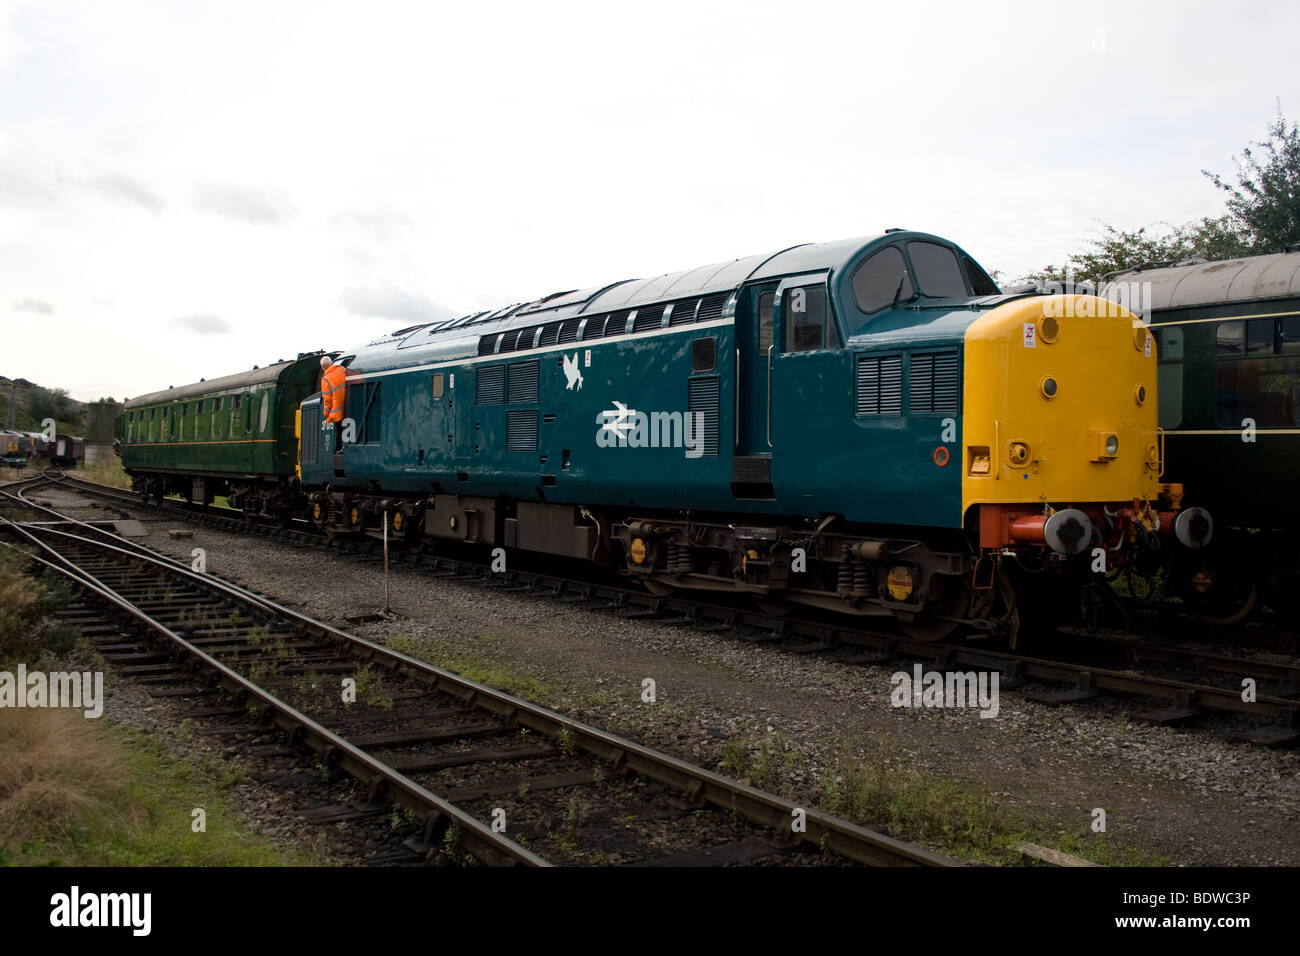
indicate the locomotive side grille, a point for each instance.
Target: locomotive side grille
{"x":310,"y":434}
{"x":549,"y":333}
{"x":595,"y":327}
{"x":648,"y":317}
{"x":683,"y":312}
{"x":490,"y":385}
{"x":522,"y":385}
{"x":702,"y":399}
{"x":880,"y":385}
{"x":617,"y":323}
{"x":521,"y":430}
{"x":711,"y":308}
{"x":488,"y":343}
{"x":933,"y":382}
{"x":569,"y":331}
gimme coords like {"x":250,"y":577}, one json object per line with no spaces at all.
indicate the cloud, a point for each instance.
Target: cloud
{"x":391,"y":302}
{"x":124,"y":187}
{"x":243,"y":203}
{"x":382,"y":223}
{"x":34,"y":305}
{"x":14,"y":186}
{"x":202,"y":324}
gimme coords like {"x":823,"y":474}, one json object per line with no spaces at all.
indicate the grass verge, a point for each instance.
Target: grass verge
{"x":79,"y":792}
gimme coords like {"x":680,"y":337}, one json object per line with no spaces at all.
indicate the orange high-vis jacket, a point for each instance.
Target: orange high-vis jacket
{"x":332,"y":392}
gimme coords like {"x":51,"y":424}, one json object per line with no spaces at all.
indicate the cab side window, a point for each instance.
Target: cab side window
{"x":808,"y":321}
{"x":766,"y":315}
{"x":882,"y":280}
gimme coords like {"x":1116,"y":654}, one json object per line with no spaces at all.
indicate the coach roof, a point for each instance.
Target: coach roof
{"x":1274,"y":276}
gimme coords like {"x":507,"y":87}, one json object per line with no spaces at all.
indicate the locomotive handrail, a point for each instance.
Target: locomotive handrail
{"x":770,"y":349}
{"x":737,"y":428}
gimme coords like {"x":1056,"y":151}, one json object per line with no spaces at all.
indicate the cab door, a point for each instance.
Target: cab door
{"x":755,"y":350}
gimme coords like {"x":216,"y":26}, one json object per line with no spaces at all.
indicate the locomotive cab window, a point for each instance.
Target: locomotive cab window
{"x":882,"y":280}
{"x":980,"y":283}
{"x":808,"y":321}
{"x":937,"y":272}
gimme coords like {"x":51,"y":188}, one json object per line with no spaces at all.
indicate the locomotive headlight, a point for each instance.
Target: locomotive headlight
{"x":1105,"y":444}
{"x":1140,"y":394}
{"x":1048,"y":387}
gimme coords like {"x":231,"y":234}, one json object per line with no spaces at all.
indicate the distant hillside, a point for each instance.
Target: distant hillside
{"x":33,"y":403}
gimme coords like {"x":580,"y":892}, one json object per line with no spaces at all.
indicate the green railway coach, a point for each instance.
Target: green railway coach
{"x":1227,"y":337}
{"x":232,"y":436}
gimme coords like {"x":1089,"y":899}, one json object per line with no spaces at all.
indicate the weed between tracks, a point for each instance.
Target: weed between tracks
{"x":956,"y":818}
{"x":494,"y":674}
{"x":106,"y":472}
{"x":24,"y":602}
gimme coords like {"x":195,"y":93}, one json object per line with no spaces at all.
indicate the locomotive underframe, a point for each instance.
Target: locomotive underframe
{"x":930,"y":585}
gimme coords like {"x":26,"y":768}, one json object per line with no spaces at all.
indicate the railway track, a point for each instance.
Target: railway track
{"x":502,"y":779}
{"x":1104,"y":663}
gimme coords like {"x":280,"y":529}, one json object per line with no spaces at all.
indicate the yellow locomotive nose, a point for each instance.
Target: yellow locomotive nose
{"x":1055,"y":411}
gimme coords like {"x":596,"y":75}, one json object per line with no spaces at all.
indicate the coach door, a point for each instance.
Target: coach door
{"x":755,"y":350}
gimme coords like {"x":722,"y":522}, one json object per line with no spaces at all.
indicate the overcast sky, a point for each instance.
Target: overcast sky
{"x":189,"y":189}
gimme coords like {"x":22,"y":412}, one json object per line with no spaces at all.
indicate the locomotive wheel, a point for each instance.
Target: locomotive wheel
{"x":774,"y":606}
{"x":658,"y":588}
{"x":1231,"y":598}
{"x":283,"y":518}
{"x":932,"y":624}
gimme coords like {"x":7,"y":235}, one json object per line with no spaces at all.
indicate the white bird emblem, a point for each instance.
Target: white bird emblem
{"x":571,"y":372}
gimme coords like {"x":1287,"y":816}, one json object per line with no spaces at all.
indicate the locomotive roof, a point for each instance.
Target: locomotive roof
{"x":1196,"y":282}
{"x":256,"y":376}
{"x":457,"y":338}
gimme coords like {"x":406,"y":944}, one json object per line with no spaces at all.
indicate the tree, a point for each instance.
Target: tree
{"x":1263,"y":215}
{"x":1265,"y":203}
{"x":52,"y":403}
{"x":1161,"y":242}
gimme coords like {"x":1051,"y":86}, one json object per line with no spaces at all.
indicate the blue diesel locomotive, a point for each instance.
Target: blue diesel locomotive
{"x":867,"y":425}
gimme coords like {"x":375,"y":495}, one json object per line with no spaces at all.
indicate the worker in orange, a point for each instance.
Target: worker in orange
{"x":332,"y":389}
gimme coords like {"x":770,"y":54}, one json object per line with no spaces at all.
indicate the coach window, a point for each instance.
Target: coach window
{"x":937,"y":271}
{"x":263,"y":412}
{"x":1289,"y":335}
{"x":1169,"y":374}
{"x":808,"y":322}
{"x":1258,"y":359}
{"x":882,"y":281}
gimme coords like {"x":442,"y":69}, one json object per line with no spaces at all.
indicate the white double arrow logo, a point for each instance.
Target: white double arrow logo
{"x":618,"y":419}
